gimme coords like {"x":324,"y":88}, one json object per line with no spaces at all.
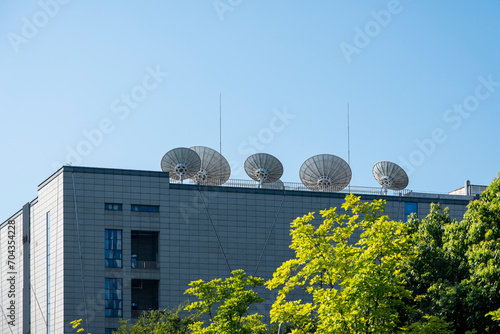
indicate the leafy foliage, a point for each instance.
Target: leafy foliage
{"x":434,"y":275}
{"x":431,"y":270}
{"x":495,"y":315}
{"x":430,"y":325}
{"x":355,"y":288}
{"x":159,"y":322}
{"x":75,"y":324}
{"x":226,"y":303}
{"x":456,"y":270}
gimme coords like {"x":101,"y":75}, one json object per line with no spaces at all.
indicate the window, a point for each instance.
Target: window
{"x":144,"y":208}
{"x":113,"y":296}
{"x":113,"y":248}
{"x":113,"y":206}
{"x":144,"y":249}
{"x":144,"y":296}
{"x":410,"y":208}
{"x":109,"y":330}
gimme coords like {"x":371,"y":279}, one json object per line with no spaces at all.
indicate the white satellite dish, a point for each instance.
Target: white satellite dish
{"x":325,"y":172}
{"x":182,"y":163}
{"x":263,"y":167}
{"x":214,"y":169}
{"x":390,"y":176}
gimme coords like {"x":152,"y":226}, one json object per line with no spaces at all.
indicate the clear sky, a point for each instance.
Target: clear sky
{"x":119,"y":83}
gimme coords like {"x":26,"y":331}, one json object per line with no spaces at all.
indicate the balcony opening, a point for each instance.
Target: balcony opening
{"x":144,"y":296}
{"x":144,"y":250}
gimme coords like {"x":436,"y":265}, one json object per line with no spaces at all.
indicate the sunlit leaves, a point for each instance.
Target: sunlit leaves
{"x":226,"y":303}
{"x":354,"y":287}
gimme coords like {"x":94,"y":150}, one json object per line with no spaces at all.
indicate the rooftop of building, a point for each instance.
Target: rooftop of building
{"x":460,"y":193}
{"x":466,"y":193}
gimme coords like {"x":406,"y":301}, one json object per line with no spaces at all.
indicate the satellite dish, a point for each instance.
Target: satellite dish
{"x":274,"y":185}
{"x":214,"y":169}
{"x":325,"y":172}
{"x":263,"y":167}
{"x":182,"y":163}
{"x":390,"y":176}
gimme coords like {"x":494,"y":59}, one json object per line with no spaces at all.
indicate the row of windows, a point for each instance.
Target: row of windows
{"x":410,"y":207}
{"x":133,"y":207}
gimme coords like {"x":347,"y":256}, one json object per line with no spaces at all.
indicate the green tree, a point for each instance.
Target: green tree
{"x":226,"y":302}
{"x":431,"y":270}
{"x":430,"y":325}
{"x":474,"y":244}
{"x":355,"y":288}
{"x":167,"y":321}
{"x":456,"y":271}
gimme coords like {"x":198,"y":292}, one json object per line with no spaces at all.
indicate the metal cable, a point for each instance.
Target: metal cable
{"x":215,"y":232}
{"x":80,"y":250}
{"x":7,"y":320}
{"x":270,"y":232}
{"x":41,"y":312}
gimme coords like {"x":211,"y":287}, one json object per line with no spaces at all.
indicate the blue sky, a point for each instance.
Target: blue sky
{"x":119,"y":83}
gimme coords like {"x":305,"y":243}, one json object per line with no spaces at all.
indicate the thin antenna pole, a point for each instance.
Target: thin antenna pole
{"x":348,"y":143}
{"x":220,"y":123}
{"x":348,"y":139}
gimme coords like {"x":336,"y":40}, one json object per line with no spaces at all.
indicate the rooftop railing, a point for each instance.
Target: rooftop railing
{"x":359,"y":190}
{"x":251,"y":184}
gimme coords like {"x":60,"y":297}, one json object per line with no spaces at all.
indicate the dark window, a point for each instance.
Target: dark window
{"x":144,"y":296}
{"x":410,"y":208}
{"x":113,"y":206}
{"x":109,"y":330}
{"x":144,"y":208}
{"x":144,"y":250}
{"x":113,"y":248}
{"x":113,"y":298}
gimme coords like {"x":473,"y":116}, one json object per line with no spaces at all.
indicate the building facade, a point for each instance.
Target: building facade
{"x":102,"y":244}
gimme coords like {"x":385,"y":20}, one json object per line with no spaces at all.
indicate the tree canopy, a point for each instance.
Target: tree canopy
{"x":167,"y":321}
{"x":355,"y":287}
{"x":456,"y":270}
{"x":226,"y":303}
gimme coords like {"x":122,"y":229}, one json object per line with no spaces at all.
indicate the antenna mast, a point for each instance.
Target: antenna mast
{"x":220,"y":123}
{"x":348,"y":139}
{"x":348,"y":144}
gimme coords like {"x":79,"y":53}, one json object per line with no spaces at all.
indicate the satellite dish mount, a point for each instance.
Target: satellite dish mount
{"x":264,"y":168}
{"x":390,"y":176}
{"x":325,"y":172}
{"x":182,"y":163}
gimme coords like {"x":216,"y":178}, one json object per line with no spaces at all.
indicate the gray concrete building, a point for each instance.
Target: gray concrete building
{"x":102,"y":244}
